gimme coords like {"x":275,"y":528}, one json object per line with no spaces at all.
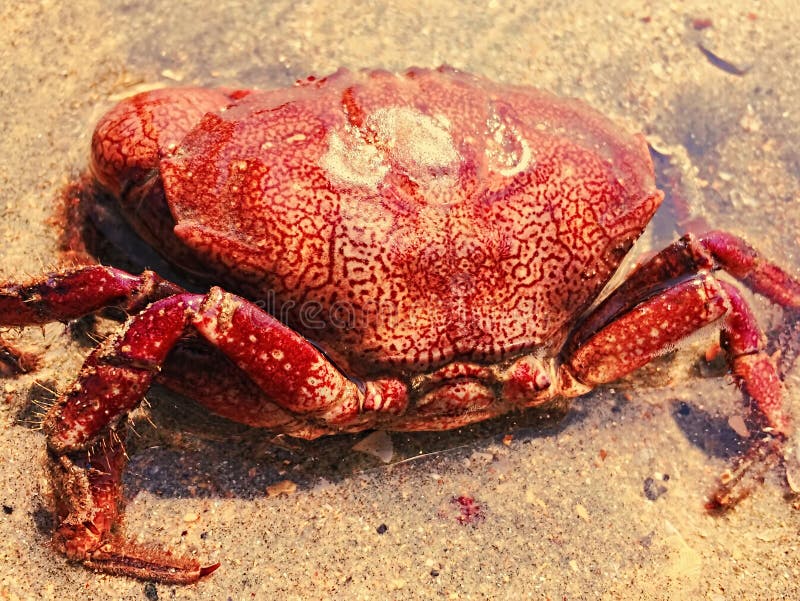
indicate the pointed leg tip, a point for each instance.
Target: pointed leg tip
{"x":748,"y":472}
{"x":714,"y":506}
{"x":14,"y":363}
{"x":206,"y":570}
{"x":720,"y":503}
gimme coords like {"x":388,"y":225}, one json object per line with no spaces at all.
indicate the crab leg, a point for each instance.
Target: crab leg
{"x":65,"y":296}
{"x":73,"y":294}
{"x":688,"y":256}
{"x":655,"y":325}
{"x":295,"y":375}
{"x":645,"y":317}
{"x":203,"y":374}
{"x":88,"y":493}
{"x":116,"y":375}
{"x":605,"y":346}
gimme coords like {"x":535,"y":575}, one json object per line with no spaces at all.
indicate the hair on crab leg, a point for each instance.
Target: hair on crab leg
{"x":87,"y":455}
{"x":88,"y":496}
{"x":612,"y":348}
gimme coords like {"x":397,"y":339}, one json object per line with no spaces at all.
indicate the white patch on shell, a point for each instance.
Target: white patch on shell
{"x":351,"y":162}
{"x":419,"y":145}
{"x":507,"y":151}
{"x":418,"y":142}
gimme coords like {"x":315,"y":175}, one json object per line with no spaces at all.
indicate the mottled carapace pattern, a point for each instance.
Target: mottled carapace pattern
{"x":403,"y":221}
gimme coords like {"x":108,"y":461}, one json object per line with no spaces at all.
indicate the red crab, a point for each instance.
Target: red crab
{"x":432,"y":246}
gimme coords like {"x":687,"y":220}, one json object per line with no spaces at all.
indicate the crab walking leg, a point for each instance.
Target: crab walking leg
{"x":748,"y":266}
{"x":80,"y":424}
{"x":117,"y":374}
{"x":294,"y":373}
{"x":634,"y":337}
{"x":72,"y":294}
{"x":741,"y":336}
{"x":685,"y":257}
{"x":756,"y":272}
{"x":88,"y":494}
{"x":743,"y":342}
{"x":114,"y":379}
{"x":69,"y":295}
{"x":290,"y":370}
{"x":756,"y":375}
{"x":656,"y":324}
{"x":203,"y":374}
{"x":78,"y":292}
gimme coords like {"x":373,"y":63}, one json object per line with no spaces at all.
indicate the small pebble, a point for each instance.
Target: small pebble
{"x":284,"y":487}
{"x":397,"y":584}
{"x":737,"y":424}
{"x":378,"y":444}
{"x":151,"y":592}
{"x":652,"y":490}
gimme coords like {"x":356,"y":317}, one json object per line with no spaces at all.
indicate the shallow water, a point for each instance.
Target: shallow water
{"x":606,"y":503}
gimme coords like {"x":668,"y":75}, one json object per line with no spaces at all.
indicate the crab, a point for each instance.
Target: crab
{"x":414,"y":251}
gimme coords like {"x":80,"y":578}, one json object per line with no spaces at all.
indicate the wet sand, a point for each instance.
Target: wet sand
{"x":604,"y":504}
